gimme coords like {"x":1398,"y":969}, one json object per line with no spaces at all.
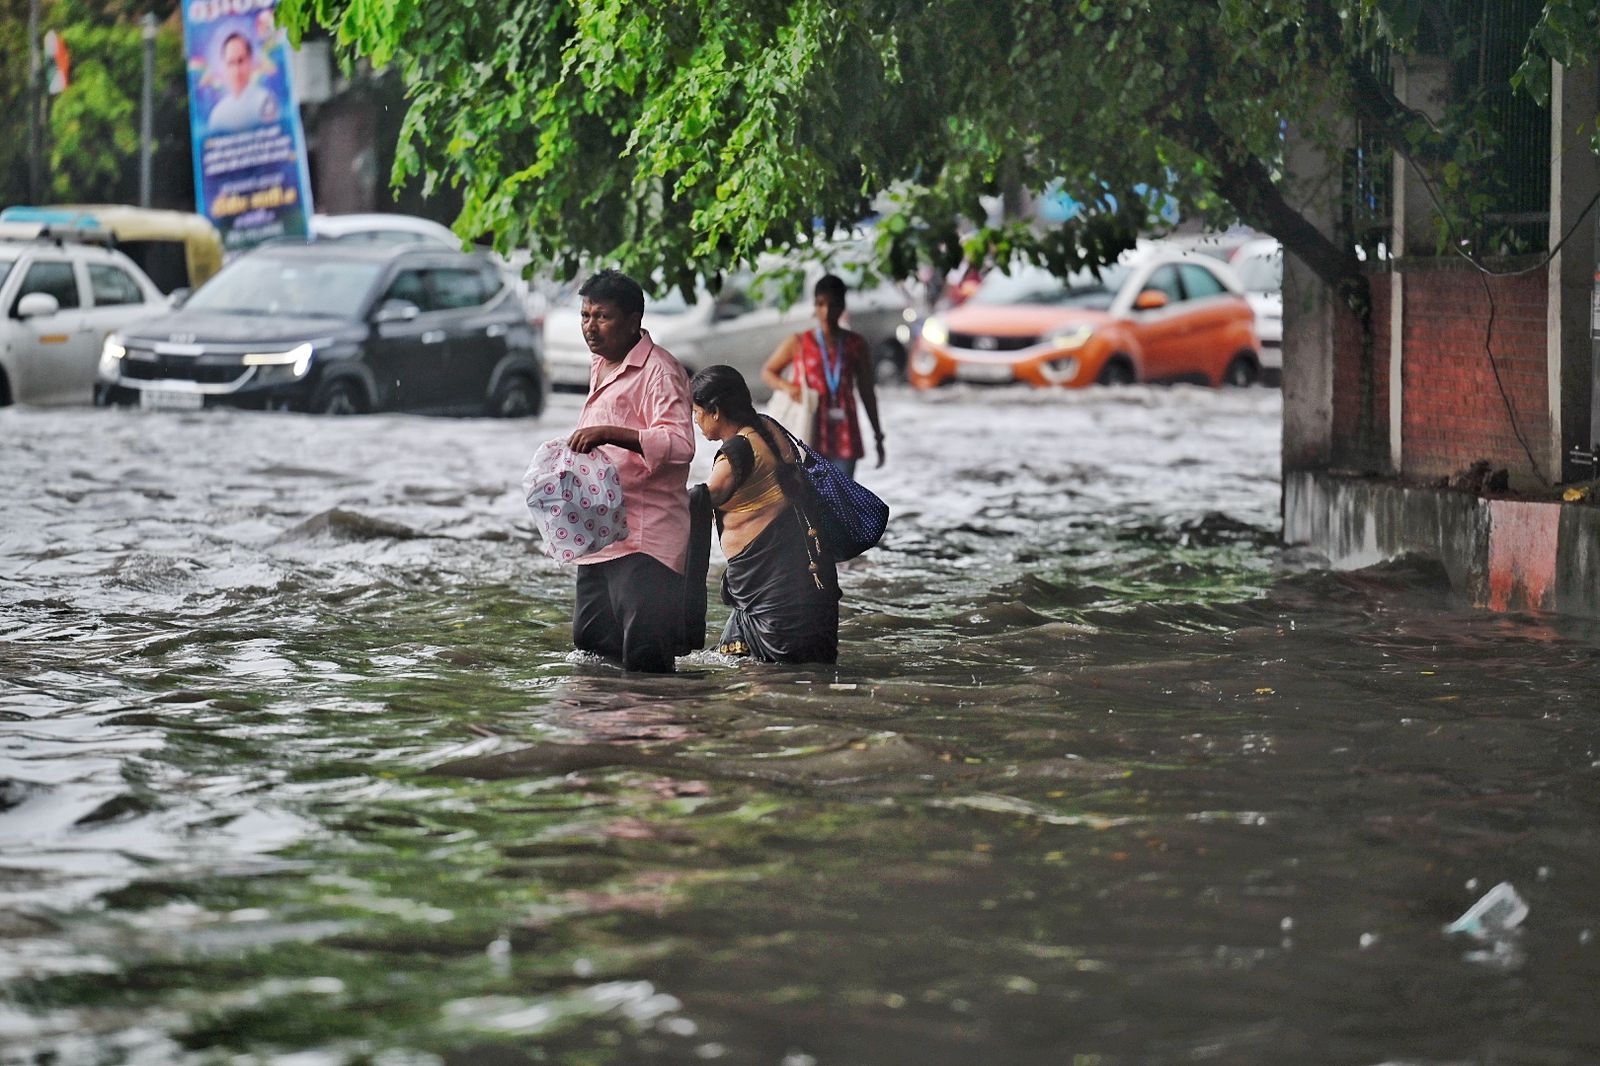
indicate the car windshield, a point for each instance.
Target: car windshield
{"x":269,"y":285}
{"x":1032,"y":285}
{"x":1261,"y":273}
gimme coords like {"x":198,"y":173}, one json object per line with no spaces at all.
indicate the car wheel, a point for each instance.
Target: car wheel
{"x":1242,"y":372}
{"x":889,"y":366}
{"x":341,"y":396}
{"x":517,"y":396}
{"x":1117,"y":371}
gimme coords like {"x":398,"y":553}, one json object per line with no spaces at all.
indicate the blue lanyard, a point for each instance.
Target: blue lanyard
{"x":833,"y":371}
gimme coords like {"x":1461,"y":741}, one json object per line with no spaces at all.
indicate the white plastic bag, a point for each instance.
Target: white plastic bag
{"x":575,"y":499}
{"x":799,"y":417}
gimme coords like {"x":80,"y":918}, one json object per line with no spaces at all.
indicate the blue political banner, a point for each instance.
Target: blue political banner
{"x":250,"y":173}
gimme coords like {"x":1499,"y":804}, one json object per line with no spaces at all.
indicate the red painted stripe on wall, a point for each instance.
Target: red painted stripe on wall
{"x":1522,"y":554}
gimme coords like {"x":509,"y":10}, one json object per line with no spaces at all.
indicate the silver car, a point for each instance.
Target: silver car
{"x":61,"y":299}
{"x":1259,"y":265}
{"x":739,"y":327}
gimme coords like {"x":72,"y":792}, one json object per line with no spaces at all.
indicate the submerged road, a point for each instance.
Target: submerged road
{"x":296,"y":766}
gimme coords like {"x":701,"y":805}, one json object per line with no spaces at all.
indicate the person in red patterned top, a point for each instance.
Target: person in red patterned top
{"x":837,"y":365}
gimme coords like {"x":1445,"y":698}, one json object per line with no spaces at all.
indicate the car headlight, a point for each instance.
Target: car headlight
{"x":935,"y":332}
{"x":1067,"y":340}
{"x":297,"y":359}
{"x":111,"y":353}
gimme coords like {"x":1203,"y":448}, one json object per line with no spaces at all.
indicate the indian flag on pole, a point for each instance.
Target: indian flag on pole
{"x":55,"y":47}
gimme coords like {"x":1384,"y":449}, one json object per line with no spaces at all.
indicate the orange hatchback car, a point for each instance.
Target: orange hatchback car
{"x":1154,"y":316}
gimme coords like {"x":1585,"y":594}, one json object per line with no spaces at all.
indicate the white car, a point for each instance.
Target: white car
{"x":1259,"y":266}
{"x":733,"y":328}
{"x":378,"y":226}
{"x":739,"y":327}
{"x":61,"y":298}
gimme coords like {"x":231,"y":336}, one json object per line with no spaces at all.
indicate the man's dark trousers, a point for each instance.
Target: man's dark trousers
{"x":630,"y":608}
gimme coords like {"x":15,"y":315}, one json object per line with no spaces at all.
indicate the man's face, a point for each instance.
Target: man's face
{"x":608,"y":330}
{"x":236,"y":59}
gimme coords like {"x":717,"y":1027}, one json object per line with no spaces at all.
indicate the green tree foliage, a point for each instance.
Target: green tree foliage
{"x":677,"y":137}
{"x":92,"y":138}
{"x":13,"y":100}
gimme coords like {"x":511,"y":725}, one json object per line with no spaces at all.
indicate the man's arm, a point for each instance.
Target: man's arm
{"x":588,"y":438}
{"x":667,"y":433}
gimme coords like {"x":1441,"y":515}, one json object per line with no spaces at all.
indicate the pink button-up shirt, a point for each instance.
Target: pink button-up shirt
{"x":649,"y":393}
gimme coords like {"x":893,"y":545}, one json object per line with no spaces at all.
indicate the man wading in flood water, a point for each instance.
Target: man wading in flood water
{"x":631,"y":594}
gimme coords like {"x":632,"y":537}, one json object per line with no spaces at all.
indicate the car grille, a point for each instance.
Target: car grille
{"x":983,"y":342}
{"x":145,"y":366}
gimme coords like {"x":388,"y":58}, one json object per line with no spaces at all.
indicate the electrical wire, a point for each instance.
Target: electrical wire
{"x":1484,"y":274}
{"x":1505,"y":397}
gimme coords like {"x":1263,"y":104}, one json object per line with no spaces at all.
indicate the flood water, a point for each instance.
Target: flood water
{"x":296,"y":767}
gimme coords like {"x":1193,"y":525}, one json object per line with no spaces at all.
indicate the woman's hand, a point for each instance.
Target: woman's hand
{"x":793,"y":389}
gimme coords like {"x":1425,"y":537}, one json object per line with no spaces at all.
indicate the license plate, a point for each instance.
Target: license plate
{"x":986,"y":372}
{"x":170,"y":400}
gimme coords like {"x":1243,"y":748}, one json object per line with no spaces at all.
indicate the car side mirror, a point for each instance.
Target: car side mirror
{"x":37,"y":305}
{"x":1150,"y":300}
{"x":178,"y":297}
{"x":395,"y":311}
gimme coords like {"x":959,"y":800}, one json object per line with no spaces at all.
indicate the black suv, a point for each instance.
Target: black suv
{"x":340,"y":329}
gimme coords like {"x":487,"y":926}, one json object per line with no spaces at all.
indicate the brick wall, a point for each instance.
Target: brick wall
{"x":1362,"y":446}
{"x":1454,"y":413}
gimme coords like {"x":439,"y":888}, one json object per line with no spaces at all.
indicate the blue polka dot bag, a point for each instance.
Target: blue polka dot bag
{"x":850,"y":516}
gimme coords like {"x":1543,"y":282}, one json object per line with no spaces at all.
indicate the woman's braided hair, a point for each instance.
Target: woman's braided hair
{"x":722,"y":390}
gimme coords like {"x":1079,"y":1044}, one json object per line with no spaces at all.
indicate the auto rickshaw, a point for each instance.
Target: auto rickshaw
{"x":178,"y":249}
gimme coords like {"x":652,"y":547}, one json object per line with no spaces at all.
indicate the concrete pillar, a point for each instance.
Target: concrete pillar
{"x":1574,"y":183}
{"x":1423,"y":83}
{"x":1313,"y":186}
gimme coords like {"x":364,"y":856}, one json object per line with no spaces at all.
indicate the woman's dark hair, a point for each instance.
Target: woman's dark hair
{"x":829,"y":285}
{"x":613,"y":286}
{"x":722,"y":390}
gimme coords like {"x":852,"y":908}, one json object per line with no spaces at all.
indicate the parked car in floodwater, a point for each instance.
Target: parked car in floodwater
{"x":1155,"y":315}
{"x":61,"y":299}
{"x":338,"y":329}
{"x":1259,"y":265}
{"x":379,"y":227}
{"x":739,"y":327}
{"x":382,"y":228}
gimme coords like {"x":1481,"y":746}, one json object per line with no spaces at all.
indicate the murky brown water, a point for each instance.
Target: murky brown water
{"x":295,"y":767}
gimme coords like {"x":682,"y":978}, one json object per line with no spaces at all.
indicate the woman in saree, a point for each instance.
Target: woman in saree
{"x":780,"y":582}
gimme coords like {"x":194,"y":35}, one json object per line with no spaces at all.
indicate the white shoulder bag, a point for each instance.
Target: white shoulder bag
{"x":799,"y":417}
